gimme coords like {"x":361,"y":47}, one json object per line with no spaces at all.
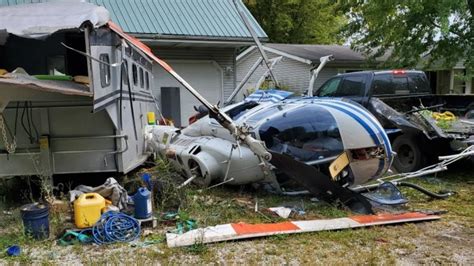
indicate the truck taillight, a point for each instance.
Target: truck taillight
{"x":399,"y":72}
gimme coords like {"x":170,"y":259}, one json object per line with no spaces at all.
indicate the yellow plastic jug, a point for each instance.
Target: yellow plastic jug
{"x":88,"y":209}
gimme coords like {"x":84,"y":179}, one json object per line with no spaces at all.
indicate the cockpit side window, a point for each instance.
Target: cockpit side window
{"x":308,"y":134}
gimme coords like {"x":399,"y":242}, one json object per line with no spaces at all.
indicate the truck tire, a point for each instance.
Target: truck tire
{"x":409,"y":157}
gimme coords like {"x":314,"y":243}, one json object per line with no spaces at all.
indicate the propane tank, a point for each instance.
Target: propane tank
{"x":142,"y":201}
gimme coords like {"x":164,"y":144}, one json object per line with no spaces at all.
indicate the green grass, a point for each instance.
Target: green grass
{"x":440,"y":242}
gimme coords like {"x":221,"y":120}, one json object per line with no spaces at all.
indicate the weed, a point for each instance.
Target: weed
{"x":198,"y":248}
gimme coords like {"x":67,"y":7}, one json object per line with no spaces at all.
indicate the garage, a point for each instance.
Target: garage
{"x":176,"y":102}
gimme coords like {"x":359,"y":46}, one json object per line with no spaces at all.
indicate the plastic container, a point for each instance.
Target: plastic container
{"x":35,"y":218}
{"x":151,"y":118}
{"x":88,"y":209}
{"x":142,"y":200}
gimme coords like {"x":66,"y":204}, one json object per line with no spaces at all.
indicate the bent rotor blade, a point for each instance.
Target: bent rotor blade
{"x":255,"y":145}
{"x":320,"y":184}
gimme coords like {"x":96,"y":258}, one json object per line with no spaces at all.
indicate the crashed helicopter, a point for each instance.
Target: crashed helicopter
{"x":326,"y":145}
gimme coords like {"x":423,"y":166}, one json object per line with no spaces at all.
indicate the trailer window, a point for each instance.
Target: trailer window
{"x":104,"y":70}
{"x":141,"y":78}
{"x":147,"y":81}
{"x":128,"y":50}
{"x":125,"y":72}
{"x":135,"y":74}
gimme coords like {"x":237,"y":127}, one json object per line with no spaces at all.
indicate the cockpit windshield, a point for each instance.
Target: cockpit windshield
{"x":308,"y":133}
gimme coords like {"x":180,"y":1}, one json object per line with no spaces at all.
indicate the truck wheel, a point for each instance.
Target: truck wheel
{"x":409,"y":157}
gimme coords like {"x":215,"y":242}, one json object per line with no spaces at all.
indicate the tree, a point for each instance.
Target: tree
{"x":413,"y":31}
{"x":298,"y":21}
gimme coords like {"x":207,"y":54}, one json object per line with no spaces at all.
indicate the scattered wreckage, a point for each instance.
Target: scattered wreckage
{"x":338,"y":144}
{"x":326,"y":145}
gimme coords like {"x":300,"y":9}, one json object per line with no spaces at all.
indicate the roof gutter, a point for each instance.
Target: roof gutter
{"x":189,"y":38}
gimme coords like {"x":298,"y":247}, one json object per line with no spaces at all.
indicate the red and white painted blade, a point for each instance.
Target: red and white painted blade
{"x":236,"y":231}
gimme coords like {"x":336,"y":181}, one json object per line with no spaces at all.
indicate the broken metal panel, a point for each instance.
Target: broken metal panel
{"x":235,"y":231}
{"x":390,"y":117}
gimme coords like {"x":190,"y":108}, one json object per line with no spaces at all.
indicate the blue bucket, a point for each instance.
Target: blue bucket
{"x":35,"y":218}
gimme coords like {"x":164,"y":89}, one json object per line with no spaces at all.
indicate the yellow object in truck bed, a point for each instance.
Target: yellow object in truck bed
{"x":88,"y":209}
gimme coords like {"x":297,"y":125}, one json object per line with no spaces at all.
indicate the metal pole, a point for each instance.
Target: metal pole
{"x":255,"y":38}
{"x":244,"y":81}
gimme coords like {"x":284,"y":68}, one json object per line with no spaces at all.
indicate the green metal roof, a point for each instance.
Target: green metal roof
{"x":202,"y":19}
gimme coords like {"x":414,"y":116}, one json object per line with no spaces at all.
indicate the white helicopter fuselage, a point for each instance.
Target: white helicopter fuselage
{"x":314,"y":131}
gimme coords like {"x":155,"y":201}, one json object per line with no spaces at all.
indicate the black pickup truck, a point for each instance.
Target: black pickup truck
{"x":421,"y":125}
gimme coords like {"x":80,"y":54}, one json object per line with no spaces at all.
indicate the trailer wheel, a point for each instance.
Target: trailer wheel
{"x":409,"y":157}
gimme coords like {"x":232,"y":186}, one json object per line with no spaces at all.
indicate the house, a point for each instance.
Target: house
{"x":294,"y":69}
{"x":452,"y":80}
{"x":198,"y":38}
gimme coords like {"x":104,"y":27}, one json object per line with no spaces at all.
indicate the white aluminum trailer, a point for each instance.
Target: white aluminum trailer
{"x":61,"y":126}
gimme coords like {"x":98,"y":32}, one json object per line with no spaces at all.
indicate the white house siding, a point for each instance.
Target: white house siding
{"x":211,"y":71}
{"x":224,"y":57}
{"x":291,"y":74}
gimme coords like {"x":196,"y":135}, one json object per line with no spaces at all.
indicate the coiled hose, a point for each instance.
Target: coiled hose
{"x":425,"y":191}
{"x":115,"y":227}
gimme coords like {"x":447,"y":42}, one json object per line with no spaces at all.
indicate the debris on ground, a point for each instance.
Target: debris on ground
{"x":236,"y":231}
{"x":110,"y":189}
{"x":13,"y":251}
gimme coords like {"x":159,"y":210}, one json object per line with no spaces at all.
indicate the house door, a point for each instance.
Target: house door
{"x":205,"y":76}
{"x":171,"y":104}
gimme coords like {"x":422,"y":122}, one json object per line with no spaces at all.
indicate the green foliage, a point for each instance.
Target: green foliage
{"x":438,"y":33}
{"x":298,"y":21}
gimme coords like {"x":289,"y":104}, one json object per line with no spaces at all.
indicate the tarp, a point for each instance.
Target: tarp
{"x":37,"y":21}
{"x":20,"y":79}
{"x":271,"y":95}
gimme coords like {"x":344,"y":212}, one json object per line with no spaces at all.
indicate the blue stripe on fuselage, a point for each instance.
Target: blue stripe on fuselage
{"x":375,"y":124}
{"x":369,"y":130}
{"x":349,"y":110}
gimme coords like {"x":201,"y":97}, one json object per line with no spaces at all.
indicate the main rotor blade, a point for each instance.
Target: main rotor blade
{"x":320,"y":184}
{"x":256,"y":40}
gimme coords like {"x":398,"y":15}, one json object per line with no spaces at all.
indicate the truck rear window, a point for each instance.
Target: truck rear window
{"x":389,"y":84}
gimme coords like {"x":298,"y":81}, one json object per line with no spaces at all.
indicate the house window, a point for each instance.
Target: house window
{"x":147,"y":81}
{"x":135,"y":74}
{"x":141,"y":77}
{"x":104,"y":70}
